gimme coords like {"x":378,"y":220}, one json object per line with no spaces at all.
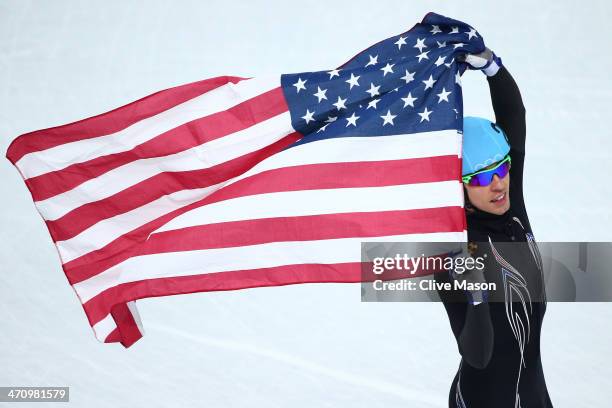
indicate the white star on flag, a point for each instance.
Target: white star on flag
{"x":333,"y":73}
{"x":443,"y":96}
{"x":372,"y":104}
{"x":400,"y":42}
{"x":373,"y":91}
{"x":471,"y":33}
{"x":320,"y":94}
{"x":388,"y":118}
{"x":409,"y":77}
{"x":373,"y":61}
{"x":429,"y":82}
{"x":340,"y":104}
{"x":387,"y":69}
{"x":352,"y":81}
{"x":440,"y":61}
{"x":308,"y":117}
{"x":422,"y":55}
{"x":435,"y":29}
{"x":352,"y":120}
{"x":300,"y":85}
{"x":409,"y":100}
{"x":420,"y":44}
{"x":425,"y":115}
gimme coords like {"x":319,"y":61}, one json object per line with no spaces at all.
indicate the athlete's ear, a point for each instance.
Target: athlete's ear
{"x":467,"y":205}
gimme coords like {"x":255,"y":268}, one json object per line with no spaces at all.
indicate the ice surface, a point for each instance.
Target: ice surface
{"x":304,"y":345}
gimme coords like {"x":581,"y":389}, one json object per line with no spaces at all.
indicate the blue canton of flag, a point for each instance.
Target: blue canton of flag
{"x":405,"y":84}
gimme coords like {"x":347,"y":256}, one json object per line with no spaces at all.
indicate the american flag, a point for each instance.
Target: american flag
{"x":232,"y":183}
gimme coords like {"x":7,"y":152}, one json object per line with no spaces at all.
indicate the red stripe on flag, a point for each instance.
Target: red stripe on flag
{"x":333,"y":226}
{"x":112,"y":121}
{"x":123,"y":247}
{"x":114,"y":336}
{"x":137,"y":195}
{"x":186,"y":136}
{"x":317,"y":176}
{"x":98,"y":307}
{"x":306,"y":228}
{"x":129,"y":332}
{"x":344,"y":175}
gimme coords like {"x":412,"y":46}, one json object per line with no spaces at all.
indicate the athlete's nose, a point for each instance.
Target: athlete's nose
{"x":497,"y":183}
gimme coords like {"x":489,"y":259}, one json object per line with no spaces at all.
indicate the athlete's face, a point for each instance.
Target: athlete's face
{"x":493,"y":198}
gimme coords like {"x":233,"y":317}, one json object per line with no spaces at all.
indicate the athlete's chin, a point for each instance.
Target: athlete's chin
{"x":499,"y":209}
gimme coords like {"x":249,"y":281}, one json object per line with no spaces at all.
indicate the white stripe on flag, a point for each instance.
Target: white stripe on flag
{"x":104,"y":327}
{"x":187,"y":263}
{"x":356,"y":149}
{"x":106,"y":231}
{"x":136,"y":316}
{"x":326,"y":201}
{"x":200,"y":157}
{"x":216,"y":100}
{"x":350,"y":149}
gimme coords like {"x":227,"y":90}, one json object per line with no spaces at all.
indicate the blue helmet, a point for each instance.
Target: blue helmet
{"x":484,"y":143}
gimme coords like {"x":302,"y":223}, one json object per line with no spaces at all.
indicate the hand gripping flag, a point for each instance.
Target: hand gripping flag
{"x":232,"y":183}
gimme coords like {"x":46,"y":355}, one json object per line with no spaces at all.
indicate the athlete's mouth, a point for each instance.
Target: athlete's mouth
{"x":499,"y":198}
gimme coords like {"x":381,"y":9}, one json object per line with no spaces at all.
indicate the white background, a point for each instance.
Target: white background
{"x":302,"y":345}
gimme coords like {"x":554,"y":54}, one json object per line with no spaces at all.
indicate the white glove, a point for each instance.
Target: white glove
{"x":486,"y":61}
